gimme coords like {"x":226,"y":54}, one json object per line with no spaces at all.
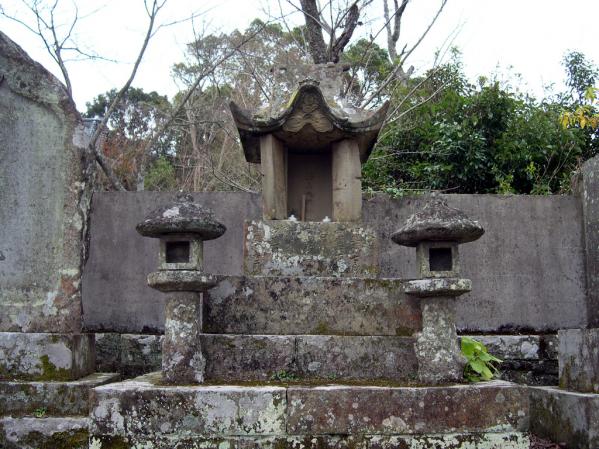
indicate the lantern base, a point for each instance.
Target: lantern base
{"x":424,"y":288}
{"x":181,"y":281}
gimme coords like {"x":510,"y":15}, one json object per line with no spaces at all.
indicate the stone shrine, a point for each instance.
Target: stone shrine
{"x":310,"y":347}
{"x":305,"y":325}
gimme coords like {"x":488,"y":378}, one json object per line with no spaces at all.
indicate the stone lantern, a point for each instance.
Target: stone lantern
{"x":436,"y":232}
{"x":182,"y":227}
{"x":310,"y":147}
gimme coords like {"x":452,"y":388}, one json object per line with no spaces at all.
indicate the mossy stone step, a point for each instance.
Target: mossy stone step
{"x":50,"y":398}
{"x":140,"y":411}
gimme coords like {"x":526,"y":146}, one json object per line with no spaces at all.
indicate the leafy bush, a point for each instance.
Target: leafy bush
{"x":485,"y":138}
{"x":481,"y":365}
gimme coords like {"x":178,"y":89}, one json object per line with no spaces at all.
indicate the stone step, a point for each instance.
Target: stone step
{"x":490,"y":415}
{"x":294,"y":248}
{"x":52,"y":398}
{"x":565,"y":416}
{"x":262,"y":357}
{"x":46,"y":356}
{"x":44,"y":433}
{"x":316,"y":305}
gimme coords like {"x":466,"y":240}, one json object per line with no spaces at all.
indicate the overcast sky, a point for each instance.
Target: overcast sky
{"x":531,"y":36}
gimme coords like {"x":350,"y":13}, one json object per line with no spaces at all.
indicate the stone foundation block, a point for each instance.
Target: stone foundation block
{"x":579,"y":360}
{"x":143,"y":413}
{"x":565,"y":416}
{"x":503,"y":440}
{"x":261,"y":357}
{"x":294,"y":248}
{"x":247,"y":357}
{"x":356,"y":358}
{"x":19,"y":398}
{"x":129,"y":354}
{"x":46,"y":356}
{"x":138,"y":408}
{"x":497,"y":405}
{"x":310,"y":305}
{"x":44,"y":433}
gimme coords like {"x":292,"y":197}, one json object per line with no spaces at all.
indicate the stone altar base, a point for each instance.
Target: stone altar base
{"x":142,"y":413}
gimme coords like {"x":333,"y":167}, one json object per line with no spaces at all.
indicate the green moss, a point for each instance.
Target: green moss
{"x":404,"y":331}
{"x":113,"y":442}
{"x":321,"y":329}
{"x":50,"y":372}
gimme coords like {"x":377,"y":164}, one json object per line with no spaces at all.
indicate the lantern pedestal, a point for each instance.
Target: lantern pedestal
{"x":182,"y":358}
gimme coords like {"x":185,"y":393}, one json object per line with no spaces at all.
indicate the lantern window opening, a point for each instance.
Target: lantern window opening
{"x":177,"y":251}
{"x":440,"y":259}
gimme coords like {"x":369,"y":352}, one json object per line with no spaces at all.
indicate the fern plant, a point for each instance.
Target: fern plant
{"x":480,"y":365}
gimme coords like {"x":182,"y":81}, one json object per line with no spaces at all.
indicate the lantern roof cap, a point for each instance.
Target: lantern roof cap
{"x":183,"y":216}
{"x":438,"y":222}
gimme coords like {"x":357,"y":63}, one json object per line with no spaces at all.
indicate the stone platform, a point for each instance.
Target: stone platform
{"x":232,"y":358}
{"x":145,"y":413}
{"x":289,"y":305}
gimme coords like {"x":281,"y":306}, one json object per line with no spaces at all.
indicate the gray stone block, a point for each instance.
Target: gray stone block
{"x":495,"y":405}
{"x":130,"y":355}
{"x":355,"y":358}
{"x":288,"y":248}
{"x":590,"y":218}
{"x":71,"y":398}
{"x":36,"y":433}
{"x":247,"y":357}
{"x":46,"y":356}
{"x":512,"y":347}
{"x":138,"y":408}
{"x":310,"y":305}
{"x":260,"y":357}
{"x":579,"y":360}
{"x":565,"y":416}
{"x":501,"y":440}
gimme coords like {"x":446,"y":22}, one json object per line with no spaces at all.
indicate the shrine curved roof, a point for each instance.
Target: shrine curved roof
{"x":309,"y":123}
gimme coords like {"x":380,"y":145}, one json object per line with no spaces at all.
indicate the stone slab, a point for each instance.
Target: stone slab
{"x":512,"y":347}
{"x":385,"y":410}
{"x":315,"y":305}
{"x":71,"y":398}
{"x":46,"y":356}
{"x":466,"y":416}
{"x":503,"y":440}
{"x":260,"y":357}
{"x":579,"y":360}
{"x":565,"y":416}
{"x":294,"y":248}
{"x":590,"y":219}
{"x":247,"y":357}
{"x":45,"y":198}
{"x":44,"y":433}
{"x":130,"y":355}
{"x":137,"y":408}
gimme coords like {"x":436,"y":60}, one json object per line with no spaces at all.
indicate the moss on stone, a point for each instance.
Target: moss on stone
{"x":51,"y":372}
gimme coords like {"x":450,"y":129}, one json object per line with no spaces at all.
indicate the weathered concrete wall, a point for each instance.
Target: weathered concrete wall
{"x":117,"y":297}
{"x":527,"y":270}
{"x":43,"y":199}
{"x":590,"y":206}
